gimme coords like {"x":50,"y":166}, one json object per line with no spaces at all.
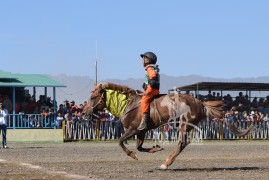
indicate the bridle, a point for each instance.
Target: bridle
{"x":98,"y":103}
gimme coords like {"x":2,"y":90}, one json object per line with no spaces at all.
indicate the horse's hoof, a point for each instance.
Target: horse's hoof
{"x":134,"y":155}
{"x":163,"y":167}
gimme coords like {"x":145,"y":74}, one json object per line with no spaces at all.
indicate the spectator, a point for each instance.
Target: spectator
{"x":67,"y":106}
{"x":44,"y":115}
{"x":76,"y":116}
{"x":50,"y":117}
{"x":209,"y":96}
{"x":3,"y":124}
{"x":73,"y":106}
{"x":31,"y":105}
{"x":62,"y":110}
{"x":166,"y":130}
{"x":213,"y":96}
{"x":49,"y":102}
{"x":81,"y":107}
{"x":260,"y":105}
{"x":254,"y":116}
{"x":119,"y":129}
{"x":32,"y":121}
{"x":254,"y":103}
{"x":247,"y":102}
{"x":228,"y":120}
{"x":105,"y":119}
{"x":266,"y":105}
{"x":41,"y":101}
{"x":266,"y":120}
{"x":44,"y":106}
{"x":69,"y":121}
{"x":218,"y":97}
{"x":7,"y":103}
{"x":58,"y":121}
{"x":84,"y":104}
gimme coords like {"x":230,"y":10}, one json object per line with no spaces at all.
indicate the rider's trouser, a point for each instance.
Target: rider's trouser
{"x":146,"y":100}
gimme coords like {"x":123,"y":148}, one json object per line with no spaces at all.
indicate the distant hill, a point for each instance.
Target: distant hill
{"x":79,"y":87}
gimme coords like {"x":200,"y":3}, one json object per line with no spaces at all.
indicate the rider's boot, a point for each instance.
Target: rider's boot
{"x":144,"y":121}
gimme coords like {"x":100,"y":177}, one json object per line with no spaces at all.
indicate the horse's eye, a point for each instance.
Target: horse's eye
{"x":94,"y":97}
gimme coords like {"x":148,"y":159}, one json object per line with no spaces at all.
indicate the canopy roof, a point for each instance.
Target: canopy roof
{"x":27,"y":80}
{"x":224,"y":86}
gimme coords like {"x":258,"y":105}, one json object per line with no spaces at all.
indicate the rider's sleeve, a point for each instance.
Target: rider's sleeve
{"x":151,"y":73}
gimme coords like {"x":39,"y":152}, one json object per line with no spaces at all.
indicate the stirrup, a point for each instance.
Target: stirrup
{"x":142,"y":126}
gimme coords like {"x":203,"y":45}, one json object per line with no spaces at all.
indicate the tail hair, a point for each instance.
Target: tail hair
{"x":214,"y":108}
{"x":236,"y":131}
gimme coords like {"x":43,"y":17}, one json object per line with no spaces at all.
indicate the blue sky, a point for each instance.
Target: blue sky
{"x":212,"y":38}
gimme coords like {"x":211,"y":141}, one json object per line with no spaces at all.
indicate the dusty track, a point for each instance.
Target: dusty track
{"x":105,"y":160}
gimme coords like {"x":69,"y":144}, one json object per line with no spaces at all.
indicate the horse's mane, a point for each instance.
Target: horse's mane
{"x":121,"y":88}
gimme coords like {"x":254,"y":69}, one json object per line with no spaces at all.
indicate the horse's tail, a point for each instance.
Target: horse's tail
{"x":214,"y":108}
{"x":238,"y":132}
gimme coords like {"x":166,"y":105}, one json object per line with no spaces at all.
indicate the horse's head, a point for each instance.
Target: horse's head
{"x":97,"y":102}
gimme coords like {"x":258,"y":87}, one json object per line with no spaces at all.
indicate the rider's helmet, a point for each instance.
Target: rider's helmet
{"x":150,"y":56}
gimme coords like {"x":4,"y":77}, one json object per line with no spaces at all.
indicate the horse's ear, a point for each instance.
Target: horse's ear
{"x":99,"y":87}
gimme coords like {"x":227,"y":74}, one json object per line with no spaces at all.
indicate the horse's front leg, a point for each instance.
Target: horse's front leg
{"x":140,"y":141}
{"x":129,"y":133}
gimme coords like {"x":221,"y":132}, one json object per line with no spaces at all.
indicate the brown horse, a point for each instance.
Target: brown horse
{"x":124,"y":102}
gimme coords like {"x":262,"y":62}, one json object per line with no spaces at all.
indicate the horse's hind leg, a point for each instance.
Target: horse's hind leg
{"x":140,"y":141}
{"x":183,"y":142}
{"x":129,"y":133}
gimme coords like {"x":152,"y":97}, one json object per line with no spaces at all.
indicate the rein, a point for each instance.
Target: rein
{"x":99,"y":102}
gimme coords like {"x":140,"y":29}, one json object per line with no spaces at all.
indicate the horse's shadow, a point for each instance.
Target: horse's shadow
{"x":212,"y":169}
{"x":33,"y":147}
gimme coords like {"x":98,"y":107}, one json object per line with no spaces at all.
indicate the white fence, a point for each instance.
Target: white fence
{"x":88,"y":130}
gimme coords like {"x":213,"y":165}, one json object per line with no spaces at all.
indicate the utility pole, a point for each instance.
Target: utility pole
{"x":98,"y":122}
{"x":96,"y":58}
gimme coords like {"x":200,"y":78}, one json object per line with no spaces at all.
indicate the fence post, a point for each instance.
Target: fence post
{"x":248,"y":124}
{"x":64,"y":128}
{"x":161,"y":134}
{"x":97,"y":134}
{"x":220,"y":129}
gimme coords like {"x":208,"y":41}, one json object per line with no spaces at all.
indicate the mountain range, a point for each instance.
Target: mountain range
{"x":78,"y":88}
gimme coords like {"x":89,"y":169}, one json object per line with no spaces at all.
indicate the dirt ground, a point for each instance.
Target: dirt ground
{"x":105,"y":160}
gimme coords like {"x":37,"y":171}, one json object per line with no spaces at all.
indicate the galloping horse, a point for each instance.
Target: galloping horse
{"x":124,"y":102}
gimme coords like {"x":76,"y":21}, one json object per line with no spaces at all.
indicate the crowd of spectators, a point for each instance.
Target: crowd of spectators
{"x":241,"y":108}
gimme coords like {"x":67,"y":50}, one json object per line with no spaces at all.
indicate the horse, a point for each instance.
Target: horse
{"x":124,"y":103}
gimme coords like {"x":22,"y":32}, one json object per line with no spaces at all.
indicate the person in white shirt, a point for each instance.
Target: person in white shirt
{"x":266,"y":120}
{"x":3,"y":124}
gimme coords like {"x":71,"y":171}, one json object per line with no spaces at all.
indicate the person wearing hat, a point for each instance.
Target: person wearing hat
{"x":151,"y":86}
{"x":3,"y":124}
{"x":74,"y":107}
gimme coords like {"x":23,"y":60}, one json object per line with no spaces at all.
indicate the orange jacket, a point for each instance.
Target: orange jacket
{"x":151,"y":74}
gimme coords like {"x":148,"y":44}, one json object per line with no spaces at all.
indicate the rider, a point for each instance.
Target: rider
{"x":151,"y":85}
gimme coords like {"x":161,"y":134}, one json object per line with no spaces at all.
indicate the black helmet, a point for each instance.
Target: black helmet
{"x":151,"y":57}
